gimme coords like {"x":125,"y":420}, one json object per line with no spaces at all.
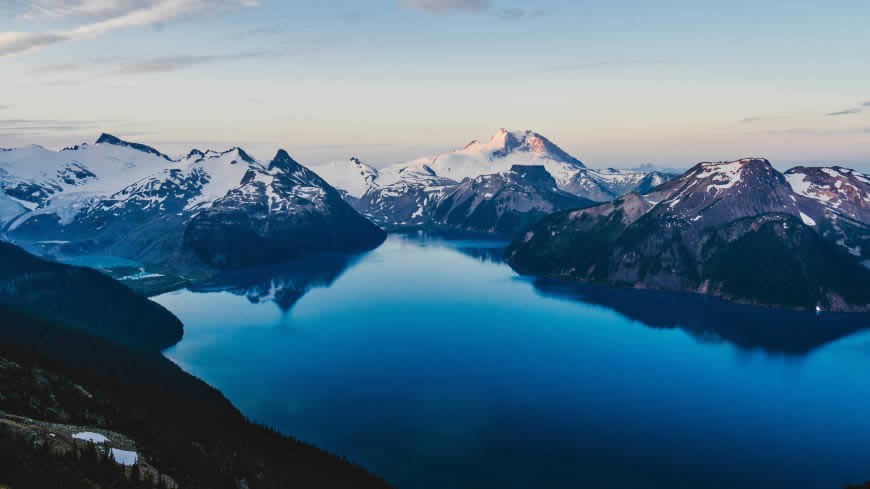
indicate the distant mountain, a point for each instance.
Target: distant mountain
{"x":407,"y":194}
{"x":130,"y":200}
{"x":506,"y":202}
{"x":737,"y":230}
{"x":408,"y":200}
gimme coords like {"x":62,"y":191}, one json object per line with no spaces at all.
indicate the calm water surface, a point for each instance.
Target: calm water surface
{"x":434,"y":365}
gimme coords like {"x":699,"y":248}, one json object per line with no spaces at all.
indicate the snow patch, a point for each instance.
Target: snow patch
{"x":91,"y":437}
{"x":124,"y":457}
{"x":807,"y":220}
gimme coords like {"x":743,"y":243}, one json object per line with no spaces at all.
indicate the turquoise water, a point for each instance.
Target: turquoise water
{"x":434,"y":365}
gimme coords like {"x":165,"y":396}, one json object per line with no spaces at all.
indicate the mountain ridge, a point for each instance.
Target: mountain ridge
{"x":733,"y":229}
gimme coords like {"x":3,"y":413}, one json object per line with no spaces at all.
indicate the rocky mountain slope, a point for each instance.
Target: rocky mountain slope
{"x":844,"y":197}
{"x":130,"y":200}
{"x":736,"y":229}
{"x":504,"y":203}
{"x":408,"y":194}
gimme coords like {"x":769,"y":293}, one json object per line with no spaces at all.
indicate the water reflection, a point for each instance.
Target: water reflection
{"x":282,"y":284}
{"x":713,"y":320}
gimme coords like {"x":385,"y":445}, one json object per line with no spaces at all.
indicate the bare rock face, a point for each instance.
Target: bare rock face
{"x":505,"y":203}
{"x":736,"y":229}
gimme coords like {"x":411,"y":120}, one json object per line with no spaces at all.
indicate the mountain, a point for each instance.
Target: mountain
{"x":353,"y":177}
{"x":81,"y":297}
{"x":276,"y":214}
{"x":130,"y":200}
{"x":407,"y":194}
{"x":734,"y":229}
{"x":408,"y":200}
{"x":506,"y":202}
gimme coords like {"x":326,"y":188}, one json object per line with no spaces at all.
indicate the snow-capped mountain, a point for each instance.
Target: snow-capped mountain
{"x":407,"y":193}
{"x":278,"y":212}
{"x":407,"y":200}
{"x":739,"y":229}
{"x":352,"y":177}
{"x":134,"y":201}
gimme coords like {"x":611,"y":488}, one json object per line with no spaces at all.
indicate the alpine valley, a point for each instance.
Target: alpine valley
{"x":740,"y":230}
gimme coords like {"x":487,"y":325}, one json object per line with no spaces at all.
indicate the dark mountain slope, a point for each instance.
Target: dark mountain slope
{"x":85,"y":299}
{"x":735,"y":230}
{"x":180,"y":425}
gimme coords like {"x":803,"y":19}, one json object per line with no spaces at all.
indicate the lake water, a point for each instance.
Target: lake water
{"x":434,"y":365}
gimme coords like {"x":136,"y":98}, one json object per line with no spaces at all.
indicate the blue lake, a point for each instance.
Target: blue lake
{"x":434,"y":365}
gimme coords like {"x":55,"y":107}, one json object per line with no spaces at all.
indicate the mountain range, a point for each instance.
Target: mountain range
{"x":206,"y":210}
{"x":211,"y":210}
{"x":741,"y":230}
{"x":424,"y":192}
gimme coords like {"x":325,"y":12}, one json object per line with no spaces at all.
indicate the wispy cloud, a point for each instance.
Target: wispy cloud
{"x":852,"y":110}
{"x":440,"y":6}
{"x":472,"y":6}
{"x":522,"y":13}
{"x":99,"y":17}
{"x":176,"y":63}
{"x":750,"y":120}
{"x":820,"y":132}
{"x":58,"y":68}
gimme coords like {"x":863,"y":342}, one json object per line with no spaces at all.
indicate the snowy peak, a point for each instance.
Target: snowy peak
{"x":352,"y":176}
{"x":505,"y":143}
{"x":109,"y":139}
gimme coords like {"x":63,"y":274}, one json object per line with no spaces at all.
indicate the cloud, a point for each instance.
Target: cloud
{"x":852,"y":110}
{"x":749,"y":120}
{"x":21,"y":42}
{"x":58,"y":68}
{"x":522,"y":13}
{"x":440,"y":6}
{"x":472,"y":6}
{"x":5,"y":107}
{"x":176,"y":63}
{"x":845,"y":112}
{"x":820,"y":132}
{"x":102,"y":16}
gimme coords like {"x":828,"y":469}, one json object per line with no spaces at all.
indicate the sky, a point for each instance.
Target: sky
{"x":617,"y":83}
